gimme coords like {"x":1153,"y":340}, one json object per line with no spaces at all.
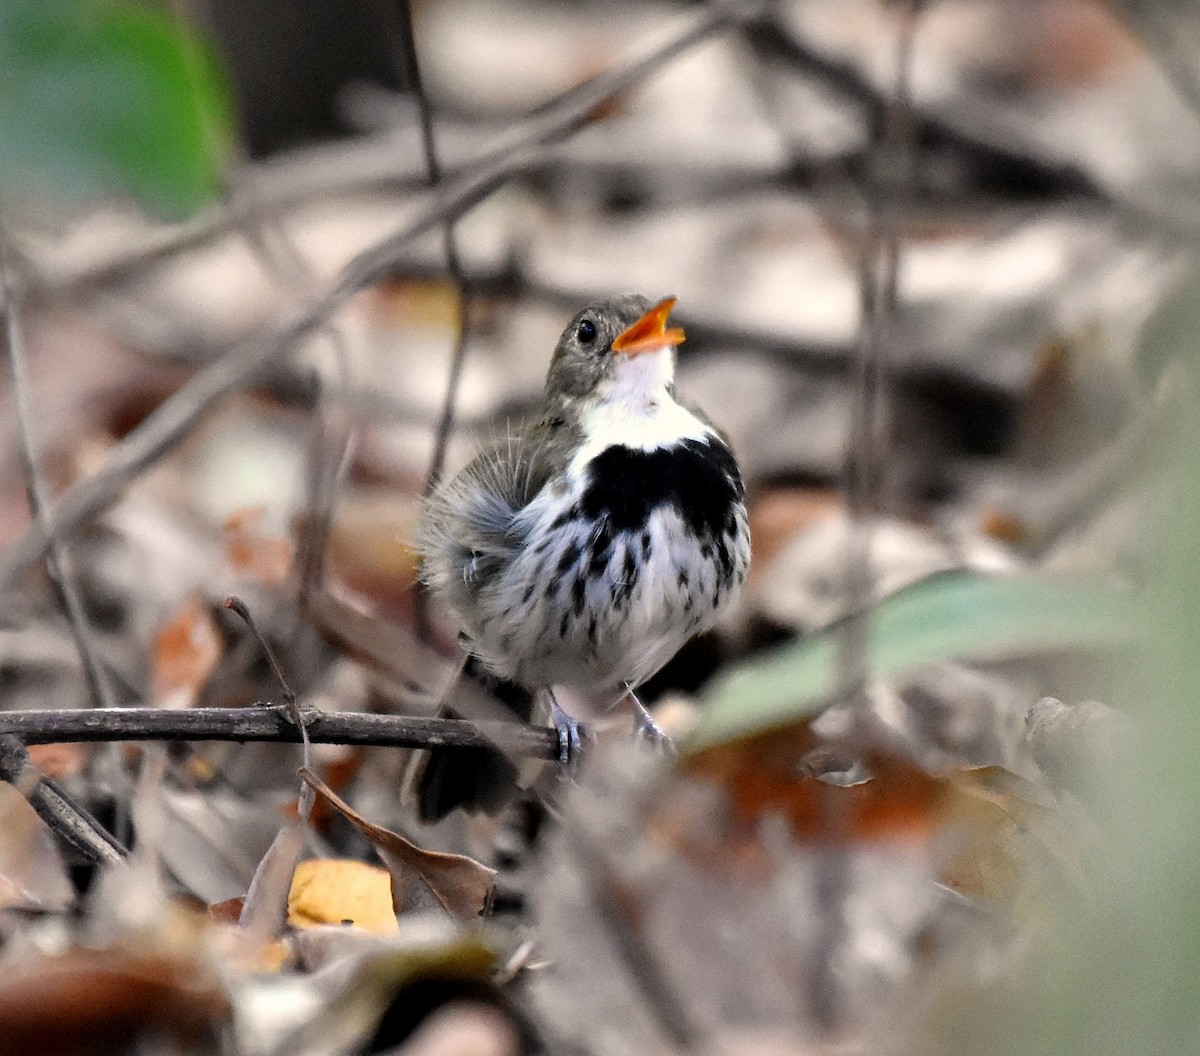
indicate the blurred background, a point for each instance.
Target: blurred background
{"x":270,"y":267}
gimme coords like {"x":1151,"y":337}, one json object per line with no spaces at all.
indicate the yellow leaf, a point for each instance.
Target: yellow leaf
{"x":341,"y":891}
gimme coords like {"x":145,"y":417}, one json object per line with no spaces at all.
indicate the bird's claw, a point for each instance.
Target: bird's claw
{"x":571,"y":735}
{"x":647,"y":731}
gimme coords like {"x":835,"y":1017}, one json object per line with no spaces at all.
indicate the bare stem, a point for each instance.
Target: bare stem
{"x":305,"y":802}
{"x":865,"y":459}
{"x":57,"y":559}
{"x":270,"y":723}
{"x":454,"y":267}
{"x":57,"y":809}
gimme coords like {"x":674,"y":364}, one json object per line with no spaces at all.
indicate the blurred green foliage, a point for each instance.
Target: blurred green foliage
{"x":103,"y":97}
{"x":949,"y":616}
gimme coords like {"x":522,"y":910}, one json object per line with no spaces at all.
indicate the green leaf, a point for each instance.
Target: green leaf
{"x":98,"y":97}
{"x":953,"y":615}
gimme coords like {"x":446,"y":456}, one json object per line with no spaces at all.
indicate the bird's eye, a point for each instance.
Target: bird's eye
{"x":586,"y":332}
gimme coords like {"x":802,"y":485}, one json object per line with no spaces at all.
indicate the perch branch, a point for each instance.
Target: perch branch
{"x":270,"y":723}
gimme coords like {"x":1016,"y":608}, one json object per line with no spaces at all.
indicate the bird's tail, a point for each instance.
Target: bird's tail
{"x":475,"y":779}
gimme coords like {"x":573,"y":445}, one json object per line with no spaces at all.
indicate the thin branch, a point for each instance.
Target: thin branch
{"x":57,"y":809}
{"x":281,"y":258}
{"x":386,"y":163}
{"x":387,"y":167}
{"x":329,"y":456}
{"x":271,"y":723}
{"x":617,"y":908}
{"x":412,"y":65}
{"x":772,"y":40}
{"x":864,"y":462}
{"x":454,"y":268}
{"x":241,"y":365}
{"x":58,"y":565}
{"x":304,"y":803}
{"x":379,"y":165}
{"x":869,"y":420}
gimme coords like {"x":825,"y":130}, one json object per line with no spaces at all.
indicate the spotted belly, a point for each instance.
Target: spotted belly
{"x":618,"y":572}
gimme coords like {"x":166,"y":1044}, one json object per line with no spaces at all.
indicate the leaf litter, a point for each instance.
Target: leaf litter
{"x":814,"y":873}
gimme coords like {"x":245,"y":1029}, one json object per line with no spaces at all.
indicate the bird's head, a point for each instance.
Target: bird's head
{"x":619,"y":349}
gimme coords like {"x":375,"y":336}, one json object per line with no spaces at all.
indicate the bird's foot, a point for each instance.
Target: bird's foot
{"x":571,"y":734}
{"x":646,"y":730}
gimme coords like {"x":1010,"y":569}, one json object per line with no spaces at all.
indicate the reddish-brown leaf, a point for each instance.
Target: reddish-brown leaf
{"x":186,"y":652}
{"x":255,"y":555}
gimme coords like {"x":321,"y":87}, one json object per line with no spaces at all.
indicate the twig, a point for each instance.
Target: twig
{"x":58,"y":564}
{"x":330,"y":453}
{"x":57,"y":809}
{"x":408,"y":42}
{"x":379,"y":165}
{"x":171,"y":421}
{"x":617,"y":908}
{"x":771,"y":39}
{"x":270,"y":723}
{"x":305,"y":803}
{"x":384,"y":162}
{"x":454,"y":268}
{"x":864,"y":463}
{"x":283,"y":260}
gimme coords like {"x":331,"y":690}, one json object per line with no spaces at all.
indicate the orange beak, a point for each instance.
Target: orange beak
{"x":650,"y":331}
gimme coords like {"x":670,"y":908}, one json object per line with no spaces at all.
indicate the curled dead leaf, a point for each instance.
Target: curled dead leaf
{"x":460,"y":885}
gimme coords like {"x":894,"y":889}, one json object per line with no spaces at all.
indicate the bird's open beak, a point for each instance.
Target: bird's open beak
{"x":650,"y":331}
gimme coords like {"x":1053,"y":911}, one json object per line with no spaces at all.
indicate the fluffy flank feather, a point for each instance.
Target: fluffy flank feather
{"x":469,"y":525}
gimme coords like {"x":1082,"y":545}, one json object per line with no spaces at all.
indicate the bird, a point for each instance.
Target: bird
{"x":583,"y":550}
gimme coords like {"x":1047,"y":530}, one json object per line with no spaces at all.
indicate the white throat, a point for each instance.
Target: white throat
{"x":634,"y":407}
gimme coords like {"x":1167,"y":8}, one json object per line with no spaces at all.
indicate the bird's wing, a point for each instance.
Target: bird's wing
{"x":470,"y":526}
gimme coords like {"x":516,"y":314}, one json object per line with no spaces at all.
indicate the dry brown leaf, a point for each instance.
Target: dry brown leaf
{"x":461,"y":885}
{"x":342,"y":891}
{"x":226,"y":912}
{"x":996,"y":821}
{"x":255,"y":555}
{"x":88,"y":1001}
{"x":186,"y":652}
{"x":59,"y":760}
{"x":265,"y":908}
{"x":780,"y":514}
{"x":370,"y":548}
{"x":766,"y":775}
{"x":32,"y":873}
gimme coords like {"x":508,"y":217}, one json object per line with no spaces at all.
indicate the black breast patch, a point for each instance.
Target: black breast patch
{"x":698,"y":478}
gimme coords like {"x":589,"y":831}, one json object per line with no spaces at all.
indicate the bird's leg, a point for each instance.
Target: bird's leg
{"x":645,"y":728}
{"x":571,"y":732}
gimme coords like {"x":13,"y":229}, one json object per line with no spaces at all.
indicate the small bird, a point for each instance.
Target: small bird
{"x":584,"y":550}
